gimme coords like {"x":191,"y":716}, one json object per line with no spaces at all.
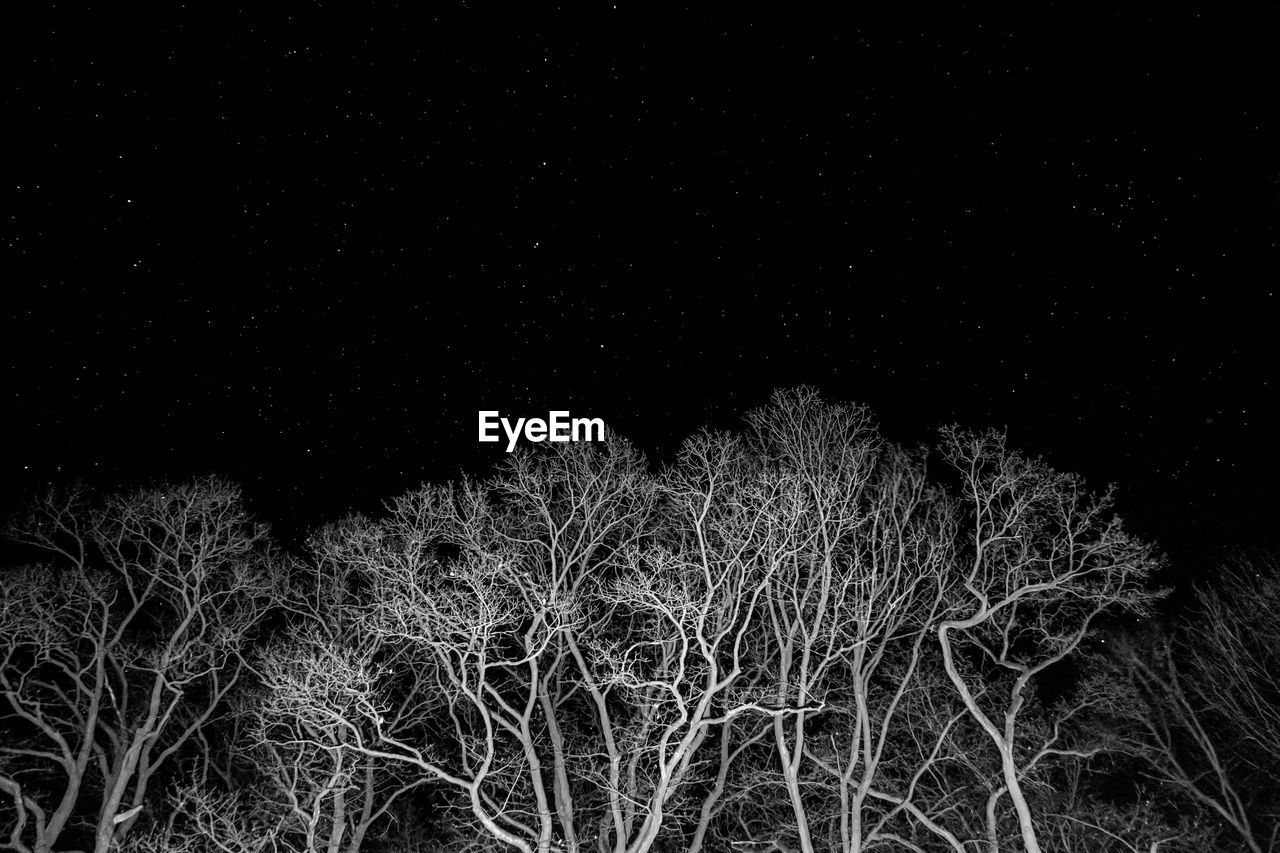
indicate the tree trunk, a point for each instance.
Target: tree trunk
{"x":1025,"y":824}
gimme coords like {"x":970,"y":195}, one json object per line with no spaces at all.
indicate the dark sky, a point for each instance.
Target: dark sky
{"x":302,"y":244}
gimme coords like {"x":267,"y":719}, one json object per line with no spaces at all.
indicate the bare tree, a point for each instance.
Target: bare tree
{"x":875,"y":561}
{"x":204,"y":821}
{"x":117,"y":651}
{"x":693,"y":600}
{"x":850,"y":608}
{"x":580,"y":656}
{"x":328,"y":796}
{"x":1076,"y":819}
{"x":799,"y":638}
{"x":1203,"y":710}
{"x":487,"y":627}
{"x":1231,"y":643}
{"x":1044,"y":560}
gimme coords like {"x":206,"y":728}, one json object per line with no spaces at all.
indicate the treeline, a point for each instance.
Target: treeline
{"x":797,"y":637}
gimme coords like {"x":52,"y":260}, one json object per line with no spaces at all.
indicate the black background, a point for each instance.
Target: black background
{"x":302,"y":244}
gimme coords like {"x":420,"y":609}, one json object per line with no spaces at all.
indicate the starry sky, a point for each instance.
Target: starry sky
{"x":301,"y":244}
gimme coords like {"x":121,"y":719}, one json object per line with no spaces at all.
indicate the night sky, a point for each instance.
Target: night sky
{"x":302,"y":244}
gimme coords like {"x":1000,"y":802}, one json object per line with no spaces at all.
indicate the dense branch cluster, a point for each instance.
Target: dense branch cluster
{"x":800,"y":637}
